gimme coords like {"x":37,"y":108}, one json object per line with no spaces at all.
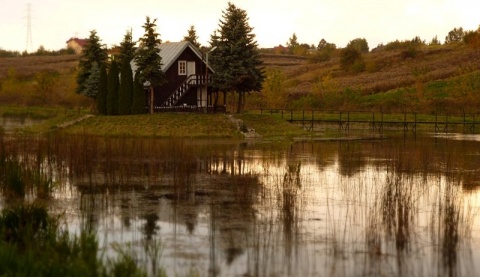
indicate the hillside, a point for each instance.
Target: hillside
{"x":311,"y":84}
{"x":40,"y":81}
{"x":385,"y":70}
{"x":28,"y":66}
{"x":389,"y":80}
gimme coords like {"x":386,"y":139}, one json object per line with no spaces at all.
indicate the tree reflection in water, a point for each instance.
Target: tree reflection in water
{"x":397,"y":207}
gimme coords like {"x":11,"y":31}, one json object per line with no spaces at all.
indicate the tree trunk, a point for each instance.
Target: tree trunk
{"x":215,"y":102}
{"x":151,"y":99}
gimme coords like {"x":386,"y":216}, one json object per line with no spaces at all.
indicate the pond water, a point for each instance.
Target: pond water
{"x":400,"y":206}
{"x":10,"y":123}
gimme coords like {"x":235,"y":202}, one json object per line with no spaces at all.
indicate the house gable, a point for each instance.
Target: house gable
{"x":171,"y":51}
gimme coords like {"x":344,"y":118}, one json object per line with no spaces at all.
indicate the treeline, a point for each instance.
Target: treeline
{"x":41,"y":51}
{"x":111,"y":83}
{"x":351,"y":54}
{"x":116,"y":92}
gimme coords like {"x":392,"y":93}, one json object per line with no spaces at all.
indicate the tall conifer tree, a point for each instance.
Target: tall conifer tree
{"x":149,"y":61}
{"x":102,"y":91}
{"x":127,"y":52}
{"x":125,"y":97}
{"x":127,"y":49}
{"x":112,"y":91}
{"x":192,"y":37}
{"x":139,"y":100}
{"x":91,"y":85}
{"x":94,"y":52}
{"x":236,"y":59}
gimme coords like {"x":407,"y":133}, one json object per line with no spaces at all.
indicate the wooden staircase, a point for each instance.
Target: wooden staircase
{"x":183,"y":88}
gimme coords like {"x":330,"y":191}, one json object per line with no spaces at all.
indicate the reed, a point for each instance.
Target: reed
{"x":32,"y":242}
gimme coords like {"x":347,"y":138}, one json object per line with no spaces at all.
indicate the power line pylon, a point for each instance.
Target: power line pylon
{"x":29,"y":45}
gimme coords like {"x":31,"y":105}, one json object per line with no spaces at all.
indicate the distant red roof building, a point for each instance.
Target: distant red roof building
{"x":77,"y":44}
{"x":280,"y":49}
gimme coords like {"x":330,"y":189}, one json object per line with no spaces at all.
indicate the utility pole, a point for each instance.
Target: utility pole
{"x":29,"y":45}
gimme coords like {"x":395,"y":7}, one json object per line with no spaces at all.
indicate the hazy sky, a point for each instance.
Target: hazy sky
{"x":274,"y":22}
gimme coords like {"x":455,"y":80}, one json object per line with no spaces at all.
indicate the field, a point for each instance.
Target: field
{"x":442,"y":78}
{"x":40,"y":81}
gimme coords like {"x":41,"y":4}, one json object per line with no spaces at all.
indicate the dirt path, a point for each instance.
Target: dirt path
{"x":71,"y":122}
{"x":249,"y":133}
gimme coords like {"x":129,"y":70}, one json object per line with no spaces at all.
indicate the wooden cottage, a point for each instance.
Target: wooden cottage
{"x":188,"y":78}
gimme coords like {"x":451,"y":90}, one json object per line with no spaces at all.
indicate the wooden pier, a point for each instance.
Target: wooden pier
{"x":379,"y":121}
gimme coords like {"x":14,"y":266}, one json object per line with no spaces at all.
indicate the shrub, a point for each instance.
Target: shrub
{"x":351,"y":60}
{"x":410,"y":52}
{"x":33,"y":244}
{"x":13,"y":180}
{"x":26,"y":225}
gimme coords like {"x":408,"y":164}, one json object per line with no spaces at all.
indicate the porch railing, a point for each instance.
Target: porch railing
{"x":183,"y":88}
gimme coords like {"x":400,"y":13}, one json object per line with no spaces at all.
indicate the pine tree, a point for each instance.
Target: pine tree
{"x":91,"y":85}
{"x":192,"y":37}
{"x":236,"y":60}
{"x":138,"y":104}
{"x":127,"y":49}
{"x":149,"y":61}
{"x":102,"y":91}
{"x":127,"y":52}
{"x":112,"y":91}
{"x":93,"y":52}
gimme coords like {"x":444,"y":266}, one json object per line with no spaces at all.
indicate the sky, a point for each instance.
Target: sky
{"x":53,"y":22}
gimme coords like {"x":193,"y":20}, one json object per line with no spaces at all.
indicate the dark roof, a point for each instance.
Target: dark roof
{"x":170,"y":51}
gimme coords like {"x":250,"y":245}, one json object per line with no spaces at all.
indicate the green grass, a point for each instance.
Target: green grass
{"x":165,"y":125}
{"x":50,"y":117}
{"x":158,"y":125}
{"x":185,"y":125}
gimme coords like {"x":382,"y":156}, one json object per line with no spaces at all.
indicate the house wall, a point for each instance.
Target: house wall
{"x":175,"y":80}
{"x":75,"y":46}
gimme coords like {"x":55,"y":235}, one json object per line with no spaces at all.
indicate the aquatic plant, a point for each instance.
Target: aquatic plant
{"x":33,"y":243}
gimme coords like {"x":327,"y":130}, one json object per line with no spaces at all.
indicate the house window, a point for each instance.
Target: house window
{"x":182,"y":67}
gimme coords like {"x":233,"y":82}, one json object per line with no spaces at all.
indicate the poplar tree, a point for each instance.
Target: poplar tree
{"x":236,"y":59}
{"x":127,"y":52}
{"x":102,"y":91}
{"x":94,"y":52}
{"x":112,"y":91}
{"x":149,"y":61}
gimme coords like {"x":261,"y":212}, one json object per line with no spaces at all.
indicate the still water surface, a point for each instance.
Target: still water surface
{"x":402,"y":206}
{"x":11,"y":123}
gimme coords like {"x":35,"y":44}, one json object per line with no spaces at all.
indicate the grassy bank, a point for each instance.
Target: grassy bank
{"x":269,"y":125}
{"x":158,"y":125}
{"x":218,"y":126}
{"x":47,"y":118}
